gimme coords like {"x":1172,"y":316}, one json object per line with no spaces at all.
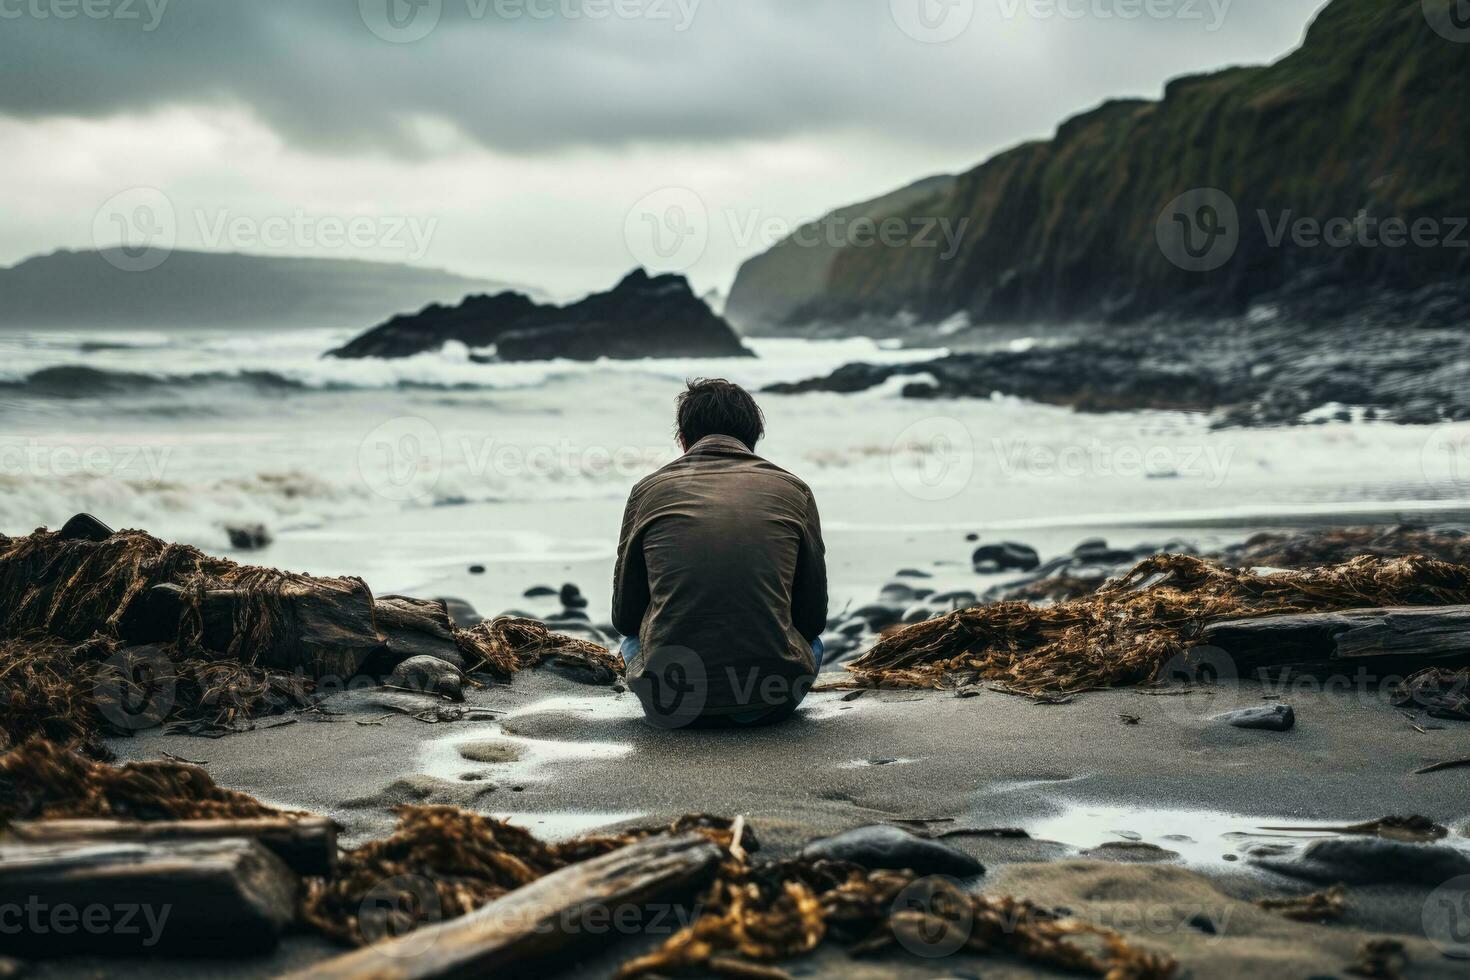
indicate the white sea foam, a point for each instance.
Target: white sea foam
{"x":262,"y":429}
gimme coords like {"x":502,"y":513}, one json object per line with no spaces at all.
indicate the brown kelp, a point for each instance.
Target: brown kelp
{"x":121,"y":631}
{"x":1125,"y":632}
{"x":441,"y":863}
{"x":766,"y":913}
{"x":41,"y":780}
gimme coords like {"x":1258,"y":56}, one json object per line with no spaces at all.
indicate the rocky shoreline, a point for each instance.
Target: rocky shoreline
{"x":1261,"y":372}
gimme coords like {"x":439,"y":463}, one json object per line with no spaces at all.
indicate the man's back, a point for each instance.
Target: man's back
{"x":721,"y":569}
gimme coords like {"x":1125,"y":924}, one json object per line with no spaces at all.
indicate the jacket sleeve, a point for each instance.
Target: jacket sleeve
{"x":630,"y":578}
{"x":809,"y":591}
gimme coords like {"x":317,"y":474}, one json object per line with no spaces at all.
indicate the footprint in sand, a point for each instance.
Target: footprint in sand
{"x":490,"y":751}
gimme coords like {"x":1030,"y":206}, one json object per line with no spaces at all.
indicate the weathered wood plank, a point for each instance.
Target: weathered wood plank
{"x":416,"y":628}
{"x":200,"y":898}
{"x":1421,"y":634}
{"x":308,"y":845}
{"x":546,"y":919}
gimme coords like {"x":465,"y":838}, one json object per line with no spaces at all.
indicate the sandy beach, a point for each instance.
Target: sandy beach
{"x":1074,"y":777}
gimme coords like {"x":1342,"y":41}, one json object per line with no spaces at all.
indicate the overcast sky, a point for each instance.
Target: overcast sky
{"x":546,"y":141}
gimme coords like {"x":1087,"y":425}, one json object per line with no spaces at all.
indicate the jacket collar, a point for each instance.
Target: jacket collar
{"x":719,"y":444}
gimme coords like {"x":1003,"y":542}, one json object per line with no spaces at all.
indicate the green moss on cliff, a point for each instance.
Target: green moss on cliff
{"x":1367,"y":117}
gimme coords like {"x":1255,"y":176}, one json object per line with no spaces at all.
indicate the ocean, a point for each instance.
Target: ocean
{"x":410,"y":472}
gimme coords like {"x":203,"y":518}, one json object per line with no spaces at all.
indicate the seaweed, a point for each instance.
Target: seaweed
{"x":755,"y":913}
{"x":442,"y":863}
{"x":42,"y":780}
{"x":110,"y":635}
{"x":1127,"y":631}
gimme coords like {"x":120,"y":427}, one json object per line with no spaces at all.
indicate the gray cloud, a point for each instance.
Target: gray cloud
{"x":684,"y":71}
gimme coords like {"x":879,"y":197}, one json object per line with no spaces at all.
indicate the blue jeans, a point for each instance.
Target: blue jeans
{"x":631,"y":645}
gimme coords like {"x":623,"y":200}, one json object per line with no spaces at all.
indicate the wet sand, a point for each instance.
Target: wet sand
{"x":562,"y":759}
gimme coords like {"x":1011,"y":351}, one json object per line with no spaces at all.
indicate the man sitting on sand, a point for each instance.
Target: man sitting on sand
{"x":721,"y":581}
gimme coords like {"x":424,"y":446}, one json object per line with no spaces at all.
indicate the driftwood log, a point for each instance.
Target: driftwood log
{"x":201,"y":898}
{"x":327,"y":626}
{"x":1410,"y":637}
{"x":307,"y":845}
{"x":417,"y":628}
{"x":540,"y":922}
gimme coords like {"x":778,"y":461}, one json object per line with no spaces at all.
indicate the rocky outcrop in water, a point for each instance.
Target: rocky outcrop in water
{"x":643,"y":316}
{"x":1267,"y":372}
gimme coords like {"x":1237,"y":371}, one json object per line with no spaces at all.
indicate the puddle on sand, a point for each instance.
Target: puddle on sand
{"x":565,"y":824}
{"x":490,"y":753}
{"x":1200,"y":837}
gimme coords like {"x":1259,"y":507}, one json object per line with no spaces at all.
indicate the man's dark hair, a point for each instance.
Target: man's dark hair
{"x":716,"y":407}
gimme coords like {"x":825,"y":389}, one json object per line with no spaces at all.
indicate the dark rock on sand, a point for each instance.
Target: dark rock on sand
{"x":643,"y":316}
{"x":248,"y":537}
{"x":477,"y":569}
{"x":918,"y":614}
{"x":461,"y":612}
{"x":1371,"y":860}
{"x":912,"y":573}
{"x":539,"y":592}
{"x":572,"y":598}
{"x":1267,"y":717}
{"x":569,"y":616}
{"x":1096,"y":551}
{"x":1132,"y":851}
{"x":1008,"y":556}
{"x":430,"y":675}
{"x":883,"y":846}
{"x":1090,"y":565}
{"x":85,"y":527}
{"x":897,"y":593}
{"x":877,"y":616}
